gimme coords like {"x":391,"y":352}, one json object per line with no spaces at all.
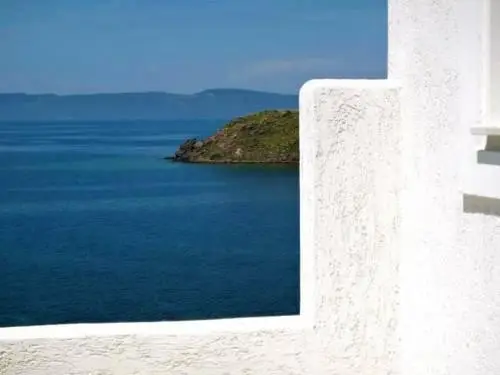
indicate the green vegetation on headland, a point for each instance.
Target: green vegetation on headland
{"x":263,"y":137}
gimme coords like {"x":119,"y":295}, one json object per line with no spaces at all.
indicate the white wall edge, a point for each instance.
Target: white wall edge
{"x":378,"y":83}
{"x":192,"y":327}
{"x":308,"y":101}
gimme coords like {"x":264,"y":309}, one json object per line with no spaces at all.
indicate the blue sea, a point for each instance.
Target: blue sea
{"x":95,"y":226}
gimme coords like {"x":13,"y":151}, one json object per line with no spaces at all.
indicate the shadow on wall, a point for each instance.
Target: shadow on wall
{"x":481,"y":205}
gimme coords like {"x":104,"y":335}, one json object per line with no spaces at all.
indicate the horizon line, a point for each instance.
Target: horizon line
{"x":146,"y":92}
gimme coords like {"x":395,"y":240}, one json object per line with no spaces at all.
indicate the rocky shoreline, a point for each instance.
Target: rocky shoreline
{"x":269,"y":137}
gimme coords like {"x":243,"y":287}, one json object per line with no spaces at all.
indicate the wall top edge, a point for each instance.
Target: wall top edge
{"x":194,"y":327}
{"x":351,"y":83}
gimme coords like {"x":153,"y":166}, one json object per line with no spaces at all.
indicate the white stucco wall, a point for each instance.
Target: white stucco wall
{"x":400,"y":267}
{"x":350,"y":173}
{"x":450,"y":258}
{"x":492,"y":44}
{"x":350,"y":133}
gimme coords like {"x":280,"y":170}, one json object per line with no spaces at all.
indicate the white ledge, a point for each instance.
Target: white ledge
{"x":192,"y":327}
{"x":489,"y":150}
{"x":350,"y":84}
{"x":486,"y":131}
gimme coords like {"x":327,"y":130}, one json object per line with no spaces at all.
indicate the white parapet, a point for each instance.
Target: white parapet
{"x":351,"y":132}
{"x":350,"y":181}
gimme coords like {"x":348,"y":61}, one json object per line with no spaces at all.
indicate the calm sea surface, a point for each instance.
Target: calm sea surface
{"x":96,"y":227}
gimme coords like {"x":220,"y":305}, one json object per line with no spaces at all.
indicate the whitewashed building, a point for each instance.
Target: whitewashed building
{"x":400,"y":230}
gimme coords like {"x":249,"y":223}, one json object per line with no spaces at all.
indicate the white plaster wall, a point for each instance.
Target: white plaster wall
{"x":350,"y":215}
{"x":153,"y":350}
{"x":450,"y":264}
{"x":354,"y":141}
{"x":493,"y":42}
{"x":350,"y":131}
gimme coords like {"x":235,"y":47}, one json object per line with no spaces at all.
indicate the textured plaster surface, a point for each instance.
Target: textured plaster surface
{"x":350,"y":220}
{"x":450,"y":258}
{"x":354,"y":145}
{"x":493,"y":62}
{"x":274,"y":351}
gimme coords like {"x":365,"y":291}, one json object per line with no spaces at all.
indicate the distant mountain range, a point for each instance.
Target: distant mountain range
{"x":208,"y":104}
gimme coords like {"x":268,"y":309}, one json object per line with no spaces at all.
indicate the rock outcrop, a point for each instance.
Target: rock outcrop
{"x":263,"y":137}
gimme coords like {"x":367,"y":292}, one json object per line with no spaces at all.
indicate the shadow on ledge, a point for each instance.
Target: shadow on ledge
{"x":474,"y":204}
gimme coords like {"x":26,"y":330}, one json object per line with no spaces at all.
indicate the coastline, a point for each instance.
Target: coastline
{"x":267,"y":137}
{"x":207,"y":161}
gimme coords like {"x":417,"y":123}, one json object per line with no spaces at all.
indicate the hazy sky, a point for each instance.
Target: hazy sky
{"x":81,"y":46}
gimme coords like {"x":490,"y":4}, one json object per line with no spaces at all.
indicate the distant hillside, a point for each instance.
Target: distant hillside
{"x":208,"y":104}
{"x":264,"y":137}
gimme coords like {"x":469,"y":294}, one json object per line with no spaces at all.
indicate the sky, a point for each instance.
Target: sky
{"x":185,"y":46}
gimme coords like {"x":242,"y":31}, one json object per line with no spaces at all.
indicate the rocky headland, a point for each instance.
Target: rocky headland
{"x":264,"y":137}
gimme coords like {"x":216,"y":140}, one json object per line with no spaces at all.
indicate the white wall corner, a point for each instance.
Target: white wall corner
{"x":350,"y":132}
